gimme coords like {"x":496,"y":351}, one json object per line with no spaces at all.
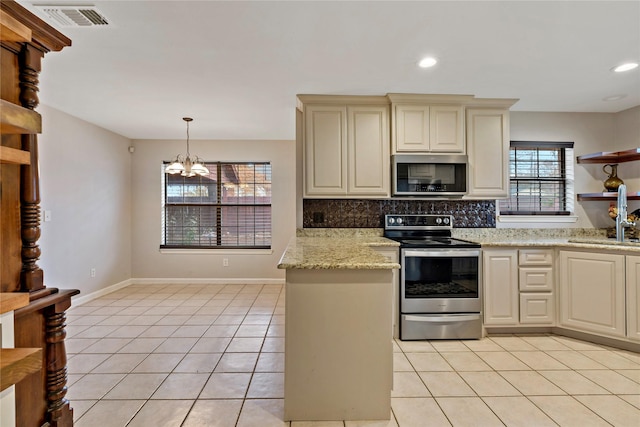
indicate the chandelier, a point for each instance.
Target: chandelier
{"x":185,"y":166}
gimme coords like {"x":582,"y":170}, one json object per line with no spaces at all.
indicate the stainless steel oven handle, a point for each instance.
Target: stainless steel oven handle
{"x":451,"y":253}
{"x":441,"y":319}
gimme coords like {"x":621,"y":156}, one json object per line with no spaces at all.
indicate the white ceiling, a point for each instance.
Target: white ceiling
{"x":236,"y":66}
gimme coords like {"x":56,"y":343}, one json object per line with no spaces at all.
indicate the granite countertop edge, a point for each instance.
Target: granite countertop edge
{"x":336,"y":253}
{"x":354,"y":249}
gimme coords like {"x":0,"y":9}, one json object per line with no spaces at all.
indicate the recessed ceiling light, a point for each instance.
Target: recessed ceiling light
{"x":614,"y":97}
{"x":625,"y":67}
{"x":427,"y":62}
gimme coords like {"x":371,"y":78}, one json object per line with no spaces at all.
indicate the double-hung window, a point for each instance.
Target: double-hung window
{"x":228,"y":208}
{"x":541,"y":179}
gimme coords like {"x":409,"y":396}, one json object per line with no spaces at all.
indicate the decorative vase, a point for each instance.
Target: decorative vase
{"x":613,"y":182}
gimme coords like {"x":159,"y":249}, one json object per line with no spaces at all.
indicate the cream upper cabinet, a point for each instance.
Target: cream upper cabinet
{"x":633,"y":297}
{"x":592,"y":292}
{"x":428,"y":129}
{"x":325,"y":150}
{"x":346,"y":150}
{"x":368,"y":161}
{"x":446,"y":129}
{"x":422,"y":123}
{"x":411,"y":128}
{"x":488,"y":152}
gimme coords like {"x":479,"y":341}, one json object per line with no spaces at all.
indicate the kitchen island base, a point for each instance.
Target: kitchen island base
{"x":338,"y":345}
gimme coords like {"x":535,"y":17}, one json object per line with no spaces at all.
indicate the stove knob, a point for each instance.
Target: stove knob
{"x":438,"y":220}
{"x":399,"y":221}
{"x":392,"y":220}
{"x":446,"y":220}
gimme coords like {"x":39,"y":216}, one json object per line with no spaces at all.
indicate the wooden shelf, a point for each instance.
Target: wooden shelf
{"x":10,"y":301}
{"x":17,"y":363}
{"x":611,"y":156}
{"x":11,"y":30}
{"x":15,"y":119}
{"x":607,"y":196}
{"x":14,"y":156}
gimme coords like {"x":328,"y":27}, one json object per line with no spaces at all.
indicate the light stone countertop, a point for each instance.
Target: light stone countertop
{"x":577,"y":238}
{"x":567,"y":238}
{"x":322,"y":253}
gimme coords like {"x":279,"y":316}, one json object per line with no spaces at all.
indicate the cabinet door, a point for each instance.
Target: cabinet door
{"x":592,"y":292}
{"x":325,"y":145}
{"x":488,"y":151}
{"x":446,"y":129}
{"x":633,"y":297}
{"x":368,"y":151}
{"x":411,"y":128}
{"x":500,"y":286}
{"x":536,"y":257}
{"x":537,"y":308}
{"x":534,"y":279}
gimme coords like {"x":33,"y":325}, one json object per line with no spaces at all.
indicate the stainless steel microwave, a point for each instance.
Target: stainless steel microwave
{"x":429,"y":175}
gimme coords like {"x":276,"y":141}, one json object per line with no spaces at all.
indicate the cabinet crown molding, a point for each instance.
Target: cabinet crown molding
{"x":505,"y":103}
{"x":343,"y":99}
{"x":417,"y":98}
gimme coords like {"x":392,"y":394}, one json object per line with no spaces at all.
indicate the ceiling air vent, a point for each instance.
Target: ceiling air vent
{"x":74,"y":16}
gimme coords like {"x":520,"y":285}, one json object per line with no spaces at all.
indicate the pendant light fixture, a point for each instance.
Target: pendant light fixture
{"x":184,"y":165}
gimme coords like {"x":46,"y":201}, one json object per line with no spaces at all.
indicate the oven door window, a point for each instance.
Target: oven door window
{"x":441,"y":277}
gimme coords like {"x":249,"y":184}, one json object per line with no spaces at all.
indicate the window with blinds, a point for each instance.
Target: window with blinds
{"x":541,"y":179}
{"x":228,"y":208}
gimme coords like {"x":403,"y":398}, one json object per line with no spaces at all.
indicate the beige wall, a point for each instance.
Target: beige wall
{"x":590,"y":132}
{"x":85,"y":174}
{"x":627,"y":136}
{"x":148,"y":262}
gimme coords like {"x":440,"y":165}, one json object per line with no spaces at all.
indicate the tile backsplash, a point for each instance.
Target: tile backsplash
{"x":361,"y":213}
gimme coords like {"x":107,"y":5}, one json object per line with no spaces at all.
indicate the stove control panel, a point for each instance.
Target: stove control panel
{"x":418,"y":222}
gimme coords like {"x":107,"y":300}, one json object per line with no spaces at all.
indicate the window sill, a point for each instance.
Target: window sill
{"x":514,"y":219}
{"x":217,"y":251}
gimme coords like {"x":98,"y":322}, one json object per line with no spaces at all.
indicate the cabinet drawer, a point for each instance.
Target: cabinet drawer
{"x":537,"y":308}
{"x":535,"y":257}
{"x":536,"y":278}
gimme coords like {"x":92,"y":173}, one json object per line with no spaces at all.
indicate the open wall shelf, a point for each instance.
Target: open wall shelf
{"x":607,"y":196}
{"x":610,"y":156}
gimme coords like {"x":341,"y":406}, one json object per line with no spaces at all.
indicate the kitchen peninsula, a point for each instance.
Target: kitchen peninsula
{"x":338,"y":346}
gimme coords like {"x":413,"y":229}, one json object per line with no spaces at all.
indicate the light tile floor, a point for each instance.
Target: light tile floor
{"x":212,"y":355}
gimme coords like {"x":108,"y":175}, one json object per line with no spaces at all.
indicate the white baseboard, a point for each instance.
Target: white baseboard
{"x":205,"y":281}
{"x":82,"y":299}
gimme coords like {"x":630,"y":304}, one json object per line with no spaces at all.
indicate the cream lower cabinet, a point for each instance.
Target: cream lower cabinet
{"x":500,"y":272}
{"x":518,"y":287}
{"x":633,"y":296}
{"x":488,"y":151}
{"x":536,"y":285}
{"x":592,"y":292}
{"x":346,"y":150}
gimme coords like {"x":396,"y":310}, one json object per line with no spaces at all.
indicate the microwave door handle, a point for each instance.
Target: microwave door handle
{"x":441,"y":319}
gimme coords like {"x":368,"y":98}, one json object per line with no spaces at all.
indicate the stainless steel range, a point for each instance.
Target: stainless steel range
{"x":440,"y":279}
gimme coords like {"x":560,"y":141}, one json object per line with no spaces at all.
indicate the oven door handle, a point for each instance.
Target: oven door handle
{"x":450,"y":253}
{"x":442,"y":319}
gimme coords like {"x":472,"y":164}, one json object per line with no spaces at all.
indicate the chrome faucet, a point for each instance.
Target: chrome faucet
{"x":621,"y":218}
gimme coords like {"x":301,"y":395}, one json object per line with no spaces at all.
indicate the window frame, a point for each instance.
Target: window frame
{"x":565,"y":180}
{"x":218,"y":205}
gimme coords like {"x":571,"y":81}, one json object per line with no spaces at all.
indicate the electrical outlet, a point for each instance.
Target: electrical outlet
{"x":225,"y":262}
{"x":93,"y":272}
{"x":47,"y":216}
